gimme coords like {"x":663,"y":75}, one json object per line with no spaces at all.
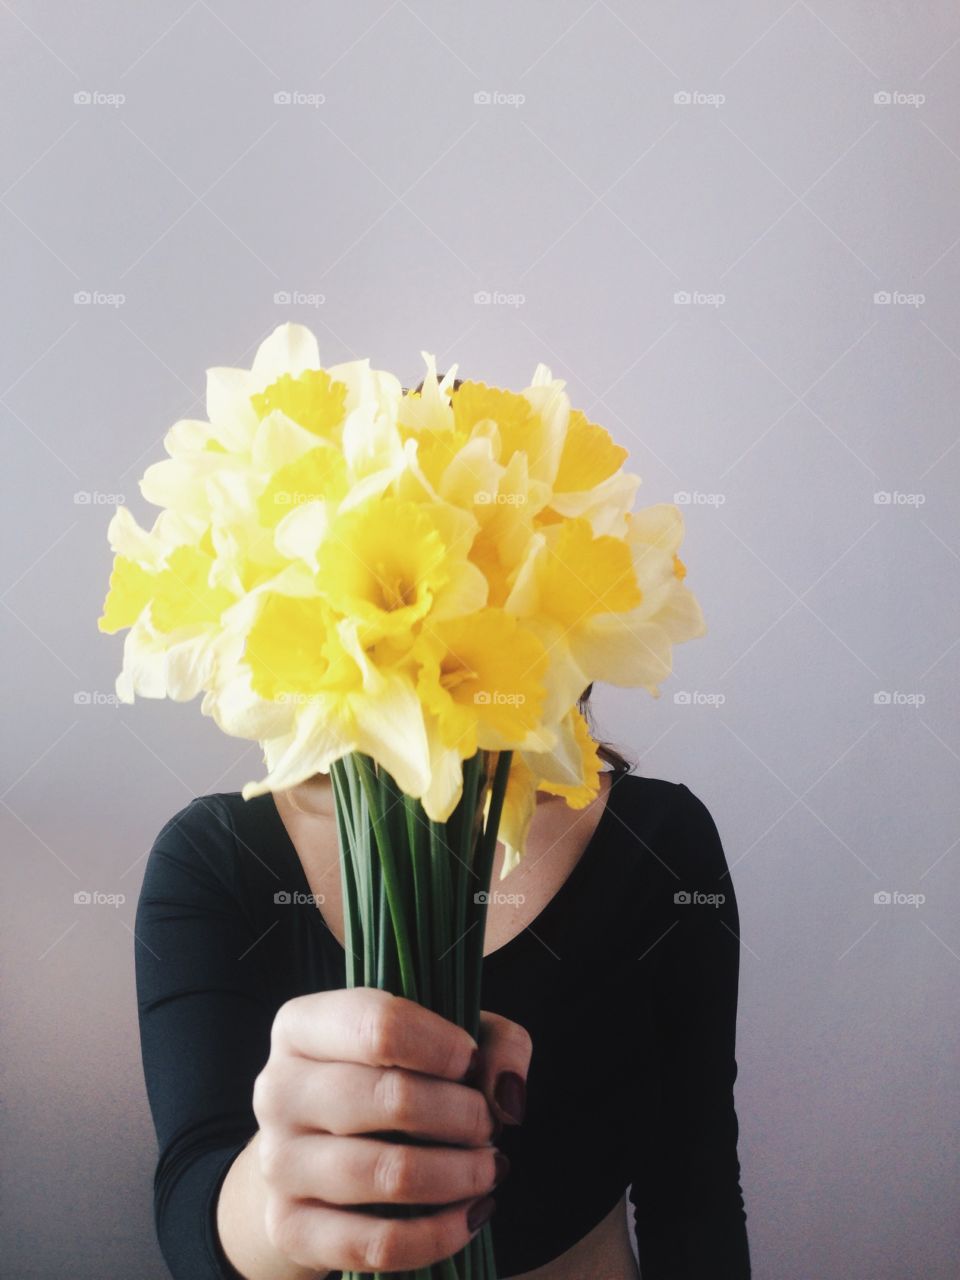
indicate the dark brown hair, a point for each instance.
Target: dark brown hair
{"x":606,"y":750}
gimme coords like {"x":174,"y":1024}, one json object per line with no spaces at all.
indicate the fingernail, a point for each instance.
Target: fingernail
{"x":480,"y":1212}
{"x":502,"y":1167}
{"x":511,"y":1095}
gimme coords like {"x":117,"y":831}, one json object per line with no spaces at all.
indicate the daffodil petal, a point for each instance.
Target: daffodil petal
{"x":291,"y":348}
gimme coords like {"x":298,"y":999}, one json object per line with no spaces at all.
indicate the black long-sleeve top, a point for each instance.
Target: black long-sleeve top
{"x":628,"y":990}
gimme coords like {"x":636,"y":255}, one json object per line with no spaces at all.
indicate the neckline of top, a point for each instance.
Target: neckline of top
{"x":573,"y":877}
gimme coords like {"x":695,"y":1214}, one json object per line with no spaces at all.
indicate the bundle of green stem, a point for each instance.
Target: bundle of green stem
{"x":415,"y":897}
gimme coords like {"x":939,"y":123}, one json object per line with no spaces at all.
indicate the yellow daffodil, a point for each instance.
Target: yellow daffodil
{"x":339,"y":566}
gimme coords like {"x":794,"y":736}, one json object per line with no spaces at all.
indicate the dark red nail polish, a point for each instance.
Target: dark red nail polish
{"x":471,"y":1073}
{"x":511,"y":1095}
{"x":480,"y":1212}
{"x":502,"y":1166}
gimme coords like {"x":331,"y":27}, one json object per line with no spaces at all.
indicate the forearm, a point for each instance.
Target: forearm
{"x":241,"y":1224}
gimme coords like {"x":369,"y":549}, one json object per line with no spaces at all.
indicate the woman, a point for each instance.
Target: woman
{"x":605,"y":1065}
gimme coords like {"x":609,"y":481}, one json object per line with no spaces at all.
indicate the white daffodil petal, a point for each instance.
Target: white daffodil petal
{"x":390,"y":727}
{"x":620,"y":649}
{"x":190,"y":665}
{"x":143,"y":664}
{"x":299,"y":534}
{"x":431,"y":409}
{"x":472,"y":475}
{"x":524,"y":597}
{"x":466,"y":592}
{"x":605,"y":506}
{"x":127,"y":539}
{"x":446,"y":782}
{"x":681,"y":617}
{"x":660,"y":526}
{"x":239,"y":711}
{"x":230,"y":408}
{"x":187,"y":436}
{"x":371,"y":486}
{"x":293,"y":758}
{"x":176,"y":483}
{"x":279,"y":441}
{"x":563,"y":765}
{"x":291,"y":348}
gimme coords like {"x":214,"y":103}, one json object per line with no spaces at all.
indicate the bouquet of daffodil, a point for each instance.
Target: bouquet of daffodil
{"x":408,"y":591}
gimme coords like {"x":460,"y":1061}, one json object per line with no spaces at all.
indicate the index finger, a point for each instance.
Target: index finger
{"x":367,"y":1025}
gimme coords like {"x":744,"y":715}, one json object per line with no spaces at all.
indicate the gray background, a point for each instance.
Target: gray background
{"x":781,"y":411}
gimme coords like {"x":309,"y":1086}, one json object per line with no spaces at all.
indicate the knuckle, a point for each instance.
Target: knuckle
{"x":283,"y":1021}
{"x":273,"y":1158}
{"x":264,"y":1095}
{"x":394,"y":1096}
{"x":284,"y":1226}
{"x":517,"y":1039}
{"x":443,"y":1239}
{"x":453,"y":1053}
{"x":482,"y":1118}
{"x":378,"y":1029}
{"x":394,"y":1173}
{"x":484,"y":1173}
{"x":382,"y":1249}
{"x":272,"y":1089}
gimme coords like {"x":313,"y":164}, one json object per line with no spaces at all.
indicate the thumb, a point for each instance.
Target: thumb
{"x":505,"y":1049}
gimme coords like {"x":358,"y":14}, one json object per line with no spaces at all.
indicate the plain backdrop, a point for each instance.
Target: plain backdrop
{"x":733,"y":230}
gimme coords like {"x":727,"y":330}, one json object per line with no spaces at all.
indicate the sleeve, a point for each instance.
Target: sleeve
{"x":688,"y":1204}
{"x":205,"y":1025}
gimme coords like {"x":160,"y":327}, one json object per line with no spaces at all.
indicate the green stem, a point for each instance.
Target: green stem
{"x":410,"y":887}
{"x":348,"y":870}
{"x":389,"y":871}
{"x":442,"y":930}
{"x":485,"y":856}
{"x":467,"y":844}
{"x":422,"y":895}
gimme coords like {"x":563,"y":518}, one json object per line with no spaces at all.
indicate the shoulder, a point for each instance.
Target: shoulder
{"x":203,"y":828}
{"x":197,"y":848}
{"x":672,"y":826}
{"x":190,"y":855}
